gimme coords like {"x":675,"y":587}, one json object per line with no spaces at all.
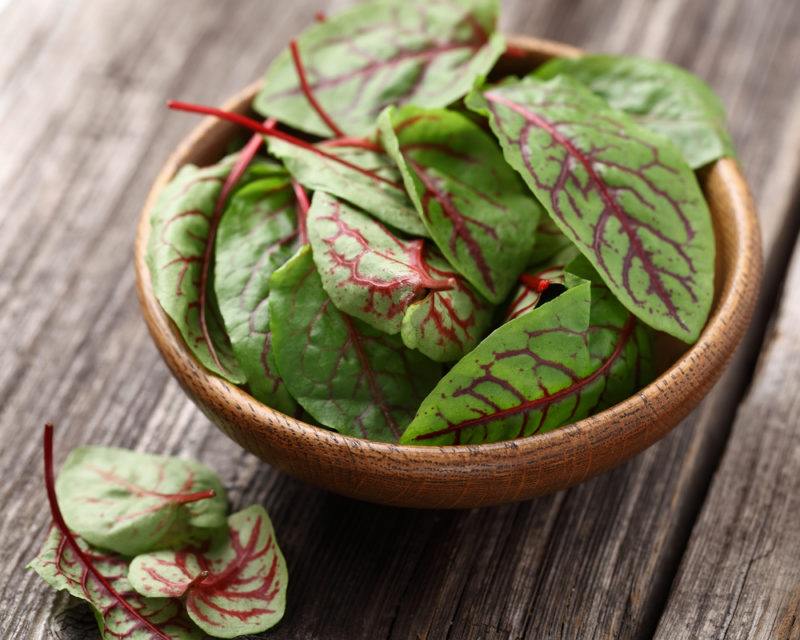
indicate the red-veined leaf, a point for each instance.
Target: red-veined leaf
{"x":368,"y":271}
{"x":622,"y":194}
{"x":329,"y":167}
{"x":658,"y":95}
{"x":446,"y":324}
{"x":472,"y":203}
{"x":132,"y":502}
{"x":204,"y":287}
{"x":234,"y":587}
{"x":426,"y":52}
{"x":378,"y":188}
{"x":346,"y":374}
{"x":257,"y":234}
{"x":61,"y":568}
{"x":67,"y":562}
{"x":395,"y":284}
{"x":180,"y":225}
{"x":561,"y":362}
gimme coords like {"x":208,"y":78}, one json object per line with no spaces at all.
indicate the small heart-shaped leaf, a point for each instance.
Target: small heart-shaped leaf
{"x":446,"y":324}
{"x":234,"y":587}
{"x":132,"y":502}
{"x":121,"y":613}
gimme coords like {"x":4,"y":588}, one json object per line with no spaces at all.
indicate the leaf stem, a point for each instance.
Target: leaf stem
{"x":302,"y":211}
{"x":356,"y":143}
{"x":439,"y":285}
{"x":257,"y":127}
{"x":535,"y":283}
{"x":60,"y":523}
{"x":309,"y":94}
{"x":186,"y":498}
{"x":197,"y":580}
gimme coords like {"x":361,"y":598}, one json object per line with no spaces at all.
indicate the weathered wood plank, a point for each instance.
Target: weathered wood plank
{"x":740,"y":577}
{"x":83,"y":133}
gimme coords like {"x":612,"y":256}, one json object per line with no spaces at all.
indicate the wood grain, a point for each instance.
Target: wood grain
{"x":83,"y":133}
{"x":740,"y":577}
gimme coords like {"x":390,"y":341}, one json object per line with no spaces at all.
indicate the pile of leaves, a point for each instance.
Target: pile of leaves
{"x":145,"y":540}
{"x":407,"y":251}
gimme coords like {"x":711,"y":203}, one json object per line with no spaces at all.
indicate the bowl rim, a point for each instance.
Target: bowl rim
{"x":735,"y":299}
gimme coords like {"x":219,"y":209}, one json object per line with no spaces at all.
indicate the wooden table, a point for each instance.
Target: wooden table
{"x":699,"y":537}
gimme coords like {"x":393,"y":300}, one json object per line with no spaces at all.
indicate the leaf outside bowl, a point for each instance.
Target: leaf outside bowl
{"x":475,"y":475}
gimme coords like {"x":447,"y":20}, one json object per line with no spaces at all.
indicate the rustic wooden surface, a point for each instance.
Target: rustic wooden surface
{"x":740,"y":576}
{"x":83,"y":133}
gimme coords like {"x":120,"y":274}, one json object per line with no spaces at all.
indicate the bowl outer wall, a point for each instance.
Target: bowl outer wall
{"x":473,"y":475}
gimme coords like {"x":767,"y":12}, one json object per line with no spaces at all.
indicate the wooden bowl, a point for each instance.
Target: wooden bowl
{"x":474,"y":475}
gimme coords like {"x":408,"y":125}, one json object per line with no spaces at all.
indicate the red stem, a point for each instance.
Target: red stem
{"x":357,"y":143}
{"x":186,"y":498}
{"x":438,"y":285}
{"x":302,"y":211}
{"x":197,"y":580}
{"x":535,"y":283}
{"x":253,"y":125}
{"x":312,"y":100}
{"x":58,"y":520}
{"x":242,"y":162}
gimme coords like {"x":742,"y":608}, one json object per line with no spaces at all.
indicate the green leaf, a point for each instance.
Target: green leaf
{"x":565,"y":360}
{"x":658,"y":95}
{"x":132,"y":502}
{"x":235,"y":587}
{"x":621,"y":193}
{"x":447,"y":324}
{"x":121,"y":613}
{"x":257,"y":234}
{"x":474,"y":206}
{"x":549,"y":242}
{"x":367,"y":270}
{"x":346,"y":374}
{"x":578,"y":270}
{"x":180,"y":228}
{"x":429,"y":52}
{"x":377,"y":189}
